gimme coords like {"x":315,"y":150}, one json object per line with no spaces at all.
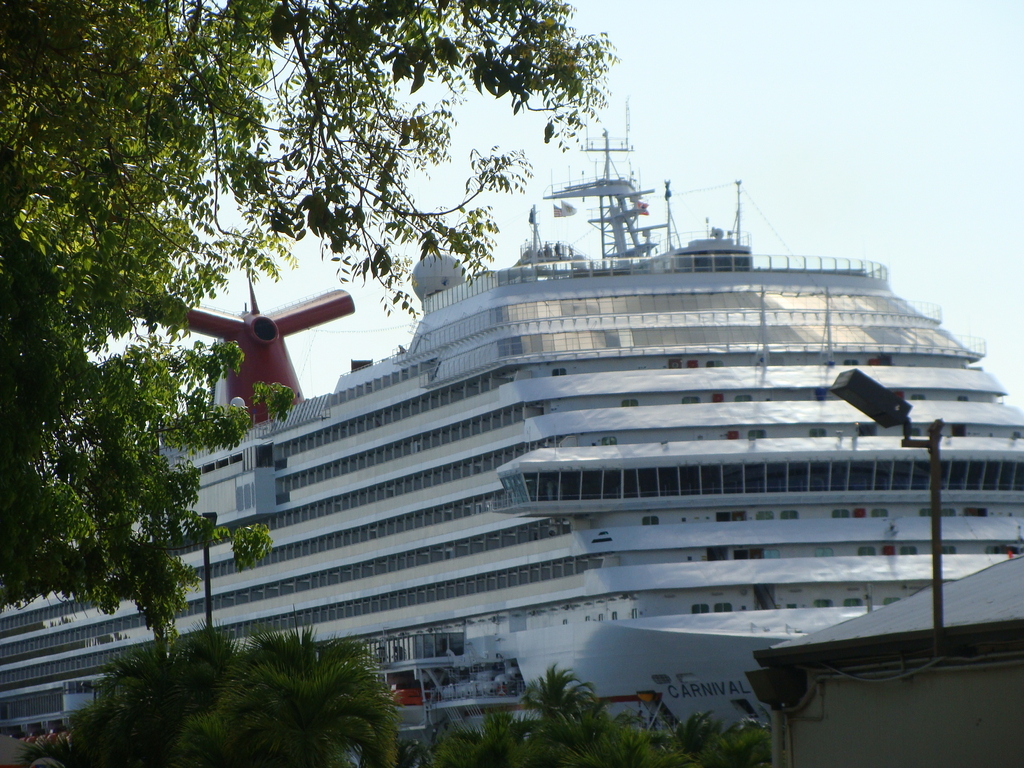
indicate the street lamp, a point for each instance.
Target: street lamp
{"x":212,"y":517}
{"x":888,"y":409}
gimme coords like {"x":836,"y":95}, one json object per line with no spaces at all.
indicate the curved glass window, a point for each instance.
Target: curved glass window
{"x":760,"y":477}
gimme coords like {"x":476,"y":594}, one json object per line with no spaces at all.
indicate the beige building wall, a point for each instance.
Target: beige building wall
{"x":960,"y":718}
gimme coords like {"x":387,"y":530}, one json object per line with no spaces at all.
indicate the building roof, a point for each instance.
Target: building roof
{"x":988,"y":604}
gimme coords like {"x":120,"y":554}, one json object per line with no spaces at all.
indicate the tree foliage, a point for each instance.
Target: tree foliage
{"x":568,"y":727}
{"x":150,"y":147}
{"x":278,"y":699}
{"x":559,"y":693}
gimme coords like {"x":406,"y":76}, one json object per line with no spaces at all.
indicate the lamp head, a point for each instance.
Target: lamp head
{"x":869,"y":397}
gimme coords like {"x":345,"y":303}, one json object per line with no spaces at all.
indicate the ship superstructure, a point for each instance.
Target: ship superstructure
{"x":630,"y":466}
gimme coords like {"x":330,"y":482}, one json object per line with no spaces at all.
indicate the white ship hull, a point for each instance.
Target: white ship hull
{"x":630,"y":467}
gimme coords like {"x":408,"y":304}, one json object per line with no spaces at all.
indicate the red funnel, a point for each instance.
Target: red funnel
{"x":261,"y":338}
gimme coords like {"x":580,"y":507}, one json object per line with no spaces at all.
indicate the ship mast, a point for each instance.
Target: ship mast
{"x":620,"y":204}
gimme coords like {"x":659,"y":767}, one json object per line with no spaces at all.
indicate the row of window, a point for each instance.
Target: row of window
{"x":448,"y":590}
{"x":731,"y":338}
{"x":399,"y":561}
{"x":696,"y":302}
{"x":414,"y":406}
{"x":508,"y":537}
{"x":429,"y":645}
{"x":762,"y":477}
{"x":42,"y":703}
{"x":469,"y":585}
{"x":819,"y":603}
{"x":436,"y":515}
{"x":444,"y":473}
{"x":24,"y":620}
{"x":448,"y":434}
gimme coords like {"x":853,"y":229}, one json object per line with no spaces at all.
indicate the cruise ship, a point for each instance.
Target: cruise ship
{"x":630,"y":466}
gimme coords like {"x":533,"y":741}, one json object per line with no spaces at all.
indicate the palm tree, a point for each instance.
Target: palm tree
{"x":410,"y":753}
{"x":745,"y":746}
{"x":501,"y":742}
{"x":559,"y":693}
{"x":295,"y":702}
{"x":145,"y":697}
{"x":625,"y":747}
{"x":696,"y":732}
{"x":60,"y":751}
{"x":555,"y":737}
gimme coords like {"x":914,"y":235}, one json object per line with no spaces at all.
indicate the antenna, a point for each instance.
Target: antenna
{"x":536,"y":234}
{"x":739,"y":212}
{"x":668,"y":206}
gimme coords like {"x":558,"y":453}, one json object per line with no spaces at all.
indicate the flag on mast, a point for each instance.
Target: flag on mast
{"x":641,"y":207}
{"x":564,"y":210}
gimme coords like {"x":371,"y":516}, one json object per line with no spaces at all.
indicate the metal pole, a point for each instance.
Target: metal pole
{"x":206,"y":579}
{"x":935,"y":487}
{"x":212,"y":517}
{"x":934,"y":439}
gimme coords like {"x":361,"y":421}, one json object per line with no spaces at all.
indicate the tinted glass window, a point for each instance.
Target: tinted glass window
{"x":1006,"y":476}
{"x":711,"y":479}
{"x":689,"y":481}
{"x":957,"y":479}
{"x":901,"y":471}
{"x":732,"y":478}
{"x":776,"y":478}
{"x":648,"y":481}
{"x":819,"y":476}
{"x":547,"y":489}
{"x":862,"y":475}
{"x":591,"y":485}
{"x":754,"y":477}
{"x":668,"y":481}
{"x":883,"y":473}
{"x":570,"y":486}
{"x":840,"y":473}
{"x":919,"y":481}
{"x":798,"y":473}
{"x":975,"y":473}
{"x":630,"y":488}
{"x":991,"y":478}
{"x":531,"y":485}
{"x":612,"y":484}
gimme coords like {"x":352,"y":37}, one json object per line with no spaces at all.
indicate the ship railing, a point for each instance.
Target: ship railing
{"x":592,"y":186}
{"x":687,"y":237}
{"x":658,"y":265}
{"x":932,"y":311}
{"x":475,"y":689}
{"x":495,"y":321}
{"x":491,"y":354}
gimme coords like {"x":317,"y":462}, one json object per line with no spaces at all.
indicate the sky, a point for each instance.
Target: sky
{"x":872,"y":130}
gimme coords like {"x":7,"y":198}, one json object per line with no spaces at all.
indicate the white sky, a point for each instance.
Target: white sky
{"x":878,"y":130}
